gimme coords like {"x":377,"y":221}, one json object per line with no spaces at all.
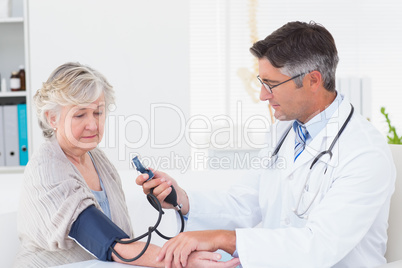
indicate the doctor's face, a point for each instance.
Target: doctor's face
{"x":288,"y":101}
{"x":81,"y":127}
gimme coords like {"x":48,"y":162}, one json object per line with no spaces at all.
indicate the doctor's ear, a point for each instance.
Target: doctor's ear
{"x":315,"y":80}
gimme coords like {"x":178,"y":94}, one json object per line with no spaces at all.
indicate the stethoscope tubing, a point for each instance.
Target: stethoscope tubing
{"x":274,"y":157}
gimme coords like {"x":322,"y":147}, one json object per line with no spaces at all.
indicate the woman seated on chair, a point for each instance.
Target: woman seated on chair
{"x":72,"y":204}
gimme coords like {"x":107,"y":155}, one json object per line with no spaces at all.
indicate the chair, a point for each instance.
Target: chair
{"x":394,"y":245}
{"x":9,"y":238}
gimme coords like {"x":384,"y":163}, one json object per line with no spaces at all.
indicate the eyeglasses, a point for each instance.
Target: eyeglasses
{"x":269,"y":88}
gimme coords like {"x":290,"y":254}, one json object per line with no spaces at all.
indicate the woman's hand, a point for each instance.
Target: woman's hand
{"x":160,"y":184}
{"x":201,"y":259}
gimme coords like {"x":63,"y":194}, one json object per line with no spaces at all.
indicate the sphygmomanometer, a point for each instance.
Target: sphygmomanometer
{"x":95,"y":232}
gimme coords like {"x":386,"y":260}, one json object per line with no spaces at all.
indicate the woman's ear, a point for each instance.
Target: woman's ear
{"x":51,"y":119}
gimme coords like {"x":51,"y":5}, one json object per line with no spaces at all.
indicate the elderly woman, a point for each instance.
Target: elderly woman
{"x":72,"y":204}
{"x":68,"y":174}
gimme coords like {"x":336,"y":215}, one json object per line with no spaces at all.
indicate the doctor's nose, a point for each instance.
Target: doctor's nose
{"x":265,"y":94}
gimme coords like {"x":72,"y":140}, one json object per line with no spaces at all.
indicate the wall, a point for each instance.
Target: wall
{"x":140,"y":46}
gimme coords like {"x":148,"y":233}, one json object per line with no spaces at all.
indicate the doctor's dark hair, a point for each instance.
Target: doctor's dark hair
{"x":300,"y":47}
{"x":70,"y":84}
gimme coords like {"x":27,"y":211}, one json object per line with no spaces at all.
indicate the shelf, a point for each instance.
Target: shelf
{"x":12,"y":20}
{"x":11,"y":94}
{"x":14,"y":52}
{"x":12,"y":169}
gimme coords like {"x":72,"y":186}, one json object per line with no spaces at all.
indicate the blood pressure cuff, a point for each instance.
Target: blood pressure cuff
{"x":95,"y":232}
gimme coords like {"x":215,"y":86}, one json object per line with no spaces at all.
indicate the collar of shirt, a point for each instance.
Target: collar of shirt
{"x":318,"y":122}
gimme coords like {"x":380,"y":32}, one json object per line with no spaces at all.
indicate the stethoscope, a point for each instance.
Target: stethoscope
{"x":302,"y":213}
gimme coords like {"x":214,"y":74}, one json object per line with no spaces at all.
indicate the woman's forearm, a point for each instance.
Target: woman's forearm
{"x":128,"y":251}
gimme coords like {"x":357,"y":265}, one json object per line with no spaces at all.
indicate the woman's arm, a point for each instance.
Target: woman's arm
{"x":178,"y":250}
{"x":131,"y":250}
{"x":197,"y":259}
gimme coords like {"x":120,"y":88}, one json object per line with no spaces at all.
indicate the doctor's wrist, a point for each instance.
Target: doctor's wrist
{"x":185,"y":209}
{"x":226,"y":240}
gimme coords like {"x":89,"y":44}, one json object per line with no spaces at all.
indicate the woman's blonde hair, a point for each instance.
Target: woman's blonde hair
{"x":70,"y":84}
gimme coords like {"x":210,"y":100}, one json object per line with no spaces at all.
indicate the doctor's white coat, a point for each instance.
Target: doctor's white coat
{"x":346,"y":224}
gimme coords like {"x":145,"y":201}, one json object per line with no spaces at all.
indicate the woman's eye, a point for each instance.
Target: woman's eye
{"x":79,"y":115}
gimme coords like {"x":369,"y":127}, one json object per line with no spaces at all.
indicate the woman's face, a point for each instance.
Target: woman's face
{"x":81,"y":127}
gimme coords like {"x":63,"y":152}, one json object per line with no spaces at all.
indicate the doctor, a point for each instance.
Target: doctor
{"x":323,"y":198}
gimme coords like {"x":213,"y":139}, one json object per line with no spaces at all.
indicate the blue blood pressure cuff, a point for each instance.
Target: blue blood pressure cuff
{"x":95,"y":232}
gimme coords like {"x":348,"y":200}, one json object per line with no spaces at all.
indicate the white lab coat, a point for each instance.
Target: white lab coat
{"x":347,"y":222}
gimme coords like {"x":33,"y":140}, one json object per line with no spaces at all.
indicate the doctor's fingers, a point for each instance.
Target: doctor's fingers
{"x":166,"y":253}
{"x":180,"y":255}
{"x":201,"y":259}
{"x":141,"y":179}
{"x":183,"y":247}
{"x":155,"y":183}
{"x":176,"y":251}
{"x":161,"y":193}
{"x":160,"y":174}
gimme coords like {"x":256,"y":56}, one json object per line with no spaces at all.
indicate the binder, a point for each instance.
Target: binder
{"x":10,"y":119}
{"x":23,"y":133}
{"x":2,"y":149}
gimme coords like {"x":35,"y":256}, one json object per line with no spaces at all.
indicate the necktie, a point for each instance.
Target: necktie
{"x":300,"y":141}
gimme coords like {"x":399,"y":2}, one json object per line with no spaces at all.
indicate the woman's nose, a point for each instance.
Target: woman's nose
{"x":92,"y":123}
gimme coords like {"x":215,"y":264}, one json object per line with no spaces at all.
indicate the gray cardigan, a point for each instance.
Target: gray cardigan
{"x":53,"y":195}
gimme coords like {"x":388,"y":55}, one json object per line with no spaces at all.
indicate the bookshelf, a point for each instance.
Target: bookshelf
{"x":13,"y":52}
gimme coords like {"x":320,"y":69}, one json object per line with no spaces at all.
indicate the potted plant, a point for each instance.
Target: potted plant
{"x":391,"y":130}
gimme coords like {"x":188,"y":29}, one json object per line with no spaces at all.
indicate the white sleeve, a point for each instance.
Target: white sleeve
{"x":234,"y":208}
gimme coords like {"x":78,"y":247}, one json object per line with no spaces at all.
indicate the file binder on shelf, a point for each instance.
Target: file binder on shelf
{"x":2,"y":149}
{"x":23,"y":133}
{"x":10,"y":120}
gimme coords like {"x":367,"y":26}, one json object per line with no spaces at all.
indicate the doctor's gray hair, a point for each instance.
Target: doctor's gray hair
{"x":300,"y":47}
{"x":69,"y":84}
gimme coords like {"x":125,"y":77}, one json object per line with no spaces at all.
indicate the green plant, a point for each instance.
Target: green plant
{"x":395,"y":139}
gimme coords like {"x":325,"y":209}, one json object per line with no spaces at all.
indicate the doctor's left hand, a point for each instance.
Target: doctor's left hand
{"x":178,"y":249}
{"x":161,"y":189}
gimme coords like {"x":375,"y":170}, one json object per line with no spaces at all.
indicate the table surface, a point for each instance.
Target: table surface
{"x":102,"y":264}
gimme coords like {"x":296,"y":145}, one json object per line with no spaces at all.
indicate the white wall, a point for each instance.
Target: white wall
{"x":140,"y":46}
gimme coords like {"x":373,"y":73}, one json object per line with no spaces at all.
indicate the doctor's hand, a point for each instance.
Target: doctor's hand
{"x":178,"y":249}
{"x":161,"y":184}
{"x":202,"y":259}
